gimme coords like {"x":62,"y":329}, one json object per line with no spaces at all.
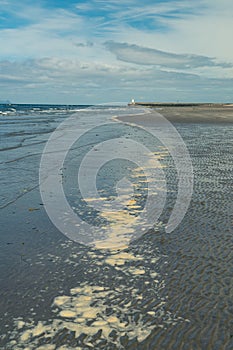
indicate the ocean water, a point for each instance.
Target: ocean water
{"x":159,"y":291}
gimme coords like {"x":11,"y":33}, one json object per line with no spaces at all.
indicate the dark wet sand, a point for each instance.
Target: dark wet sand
{"x":199,"y":269}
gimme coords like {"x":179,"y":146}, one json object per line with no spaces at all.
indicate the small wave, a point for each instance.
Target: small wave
{"x":10,"y":111}
{"x":19,"y":110}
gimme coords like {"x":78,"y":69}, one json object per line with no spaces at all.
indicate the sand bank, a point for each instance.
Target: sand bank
{"x":187,"y":114}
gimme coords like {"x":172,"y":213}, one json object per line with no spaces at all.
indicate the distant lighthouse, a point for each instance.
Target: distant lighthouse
{"x":132,"y":102}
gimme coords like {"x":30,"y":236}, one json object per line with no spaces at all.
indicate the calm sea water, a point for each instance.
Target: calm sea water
{"x":164,"y":291}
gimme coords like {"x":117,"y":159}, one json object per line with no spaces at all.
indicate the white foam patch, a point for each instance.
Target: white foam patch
{"x":100,"y":313}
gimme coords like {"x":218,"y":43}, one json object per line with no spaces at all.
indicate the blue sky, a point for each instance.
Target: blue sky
{"x":111,"y":51}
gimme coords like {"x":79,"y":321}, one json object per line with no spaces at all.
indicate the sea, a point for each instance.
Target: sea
{"x":64,"y":285}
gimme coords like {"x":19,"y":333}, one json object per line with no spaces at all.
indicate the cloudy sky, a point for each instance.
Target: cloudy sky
{"x":99,"y":51}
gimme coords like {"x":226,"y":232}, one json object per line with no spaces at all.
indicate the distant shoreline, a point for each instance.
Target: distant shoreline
{"x":179,"y":104}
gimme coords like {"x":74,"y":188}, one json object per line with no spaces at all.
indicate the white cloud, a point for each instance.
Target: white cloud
{"x":147,"y":56}
{"x":70,"y":81}
{"x":186,"y":50}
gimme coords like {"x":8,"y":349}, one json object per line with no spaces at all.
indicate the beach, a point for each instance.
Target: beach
{"x":160,"y":291}
{"x":194,"y":114}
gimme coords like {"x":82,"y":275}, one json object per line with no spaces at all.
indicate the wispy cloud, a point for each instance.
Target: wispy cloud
{"x":147,"y":56}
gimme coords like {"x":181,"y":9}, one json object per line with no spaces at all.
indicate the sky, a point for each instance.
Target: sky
{"x":104,"y":51}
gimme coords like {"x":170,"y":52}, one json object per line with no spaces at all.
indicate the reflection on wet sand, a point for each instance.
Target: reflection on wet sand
{"x":97,"y":316}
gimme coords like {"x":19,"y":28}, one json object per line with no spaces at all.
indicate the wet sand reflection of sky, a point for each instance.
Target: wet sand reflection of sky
{"x":102,"y":315}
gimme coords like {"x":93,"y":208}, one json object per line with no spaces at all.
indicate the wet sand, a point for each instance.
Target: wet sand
{"x":164,"y":291}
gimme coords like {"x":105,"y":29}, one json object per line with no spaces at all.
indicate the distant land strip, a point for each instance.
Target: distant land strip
{"x":179,"y":104}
